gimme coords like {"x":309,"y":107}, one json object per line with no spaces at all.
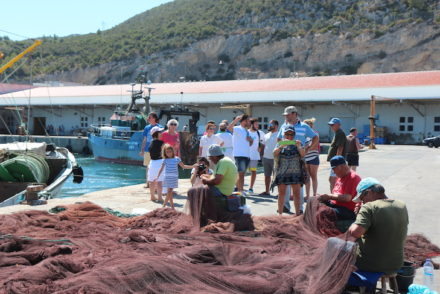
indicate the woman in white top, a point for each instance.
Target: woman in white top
{"x":208,"y":140}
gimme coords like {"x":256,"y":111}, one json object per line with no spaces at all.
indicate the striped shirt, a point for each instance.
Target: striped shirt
{"x":171,"y":168}
{"x":302,"y":131}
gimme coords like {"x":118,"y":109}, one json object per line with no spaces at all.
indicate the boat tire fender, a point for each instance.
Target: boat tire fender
{"x":78,"y":174}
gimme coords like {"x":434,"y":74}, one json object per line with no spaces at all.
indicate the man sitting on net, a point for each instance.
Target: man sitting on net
{"x":380,"y":227}
{"x":343,"y":191}
{"x":222,"y":182}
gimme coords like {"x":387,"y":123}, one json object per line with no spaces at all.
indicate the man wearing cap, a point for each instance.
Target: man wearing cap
{"x":225,"y":175}
{"x":337,"y":146}
{"x":380,"y":227}
{"x":302,"y":132}
{"x":340,"y":200}
{"x":153,"y":120}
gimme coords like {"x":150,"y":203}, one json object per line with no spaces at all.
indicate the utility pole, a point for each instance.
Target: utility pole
{"x":372,"y":118}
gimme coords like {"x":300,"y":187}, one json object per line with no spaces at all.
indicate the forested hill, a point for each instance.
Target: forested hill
{"x":231,"y":39}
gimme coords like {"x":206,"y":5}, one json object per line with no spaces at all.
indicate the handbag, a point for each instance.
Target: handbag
{"x":304,"y":174}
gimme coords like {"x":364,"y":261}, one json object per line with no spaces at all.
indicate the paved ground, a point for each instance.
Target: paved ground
{"x":408,"y":173}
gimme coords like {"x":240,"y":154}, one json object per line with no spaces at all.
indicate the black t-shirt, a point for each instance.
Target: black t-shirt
{"x":156,"y":149}
{"x":338,"y":140}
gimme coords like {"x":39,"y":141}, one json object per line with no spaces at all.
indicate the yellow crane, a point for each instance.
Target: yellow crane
{"x":19,"y":56}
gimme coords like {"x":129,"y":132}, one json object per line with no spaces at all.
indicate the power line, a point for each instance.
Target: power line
{"x":17,"y":35}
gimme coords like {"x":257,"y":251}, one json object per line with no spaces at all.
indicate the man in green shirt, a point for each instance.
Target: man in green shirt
{"x":380,"y":227}
{"x":225,"y":174}
{"x":337,"y":146}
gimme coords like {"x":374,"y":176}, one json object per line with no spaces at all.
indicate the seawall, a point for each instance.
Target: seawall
{"x":74,"y":144}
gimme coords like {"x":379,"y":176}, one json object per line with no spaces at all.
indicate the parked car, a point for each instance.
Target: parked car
{"x":432,"y":142}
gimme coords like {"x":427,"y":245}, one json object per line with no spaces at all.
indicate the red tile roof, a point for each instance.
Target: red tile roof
{"x":8,"y":88}
{"x":405,"y":79}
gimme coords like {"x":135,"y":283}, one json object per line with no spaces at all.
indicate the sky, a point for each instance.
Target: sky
{"x":33,"y":18}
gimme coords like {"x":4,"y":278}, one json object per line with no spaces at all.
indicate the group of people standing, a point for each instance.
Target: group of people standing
{"x":289,"y":154}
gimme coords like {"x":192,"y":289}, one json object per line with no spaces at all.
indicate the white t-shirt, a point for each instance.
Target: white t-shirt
{"x":239,"y":143}
{"x":254,"y":153}
{"x":227,"y":143}
{"x":270,"y":142}
{"x":206,"y":141}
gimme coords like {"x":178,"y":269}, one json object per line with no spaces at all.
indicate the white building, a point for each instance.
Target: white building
{"x":410,"y":112}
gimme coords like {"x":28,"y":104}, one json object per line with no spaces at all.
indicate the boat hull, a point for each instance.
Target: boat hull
{"x":54,"y":188}
{"x":123,"y":151}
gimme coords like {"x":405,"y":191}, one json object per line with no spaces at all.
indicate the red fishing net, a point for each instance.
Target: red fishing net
{"x":84,"y":249}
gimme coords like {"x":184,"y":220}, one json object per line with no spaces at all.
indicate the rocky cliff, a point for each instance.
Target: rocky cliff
{"x":291,"y":38}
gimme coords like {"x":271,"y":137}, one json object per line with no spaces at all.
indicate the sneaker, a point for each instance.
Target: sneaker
{"x":286,"y":210}
{"x":251,"y":191}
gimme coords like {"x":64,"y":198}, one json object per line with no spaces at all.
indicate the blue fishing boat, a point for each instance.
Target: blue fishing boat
{"x":121,"y":140}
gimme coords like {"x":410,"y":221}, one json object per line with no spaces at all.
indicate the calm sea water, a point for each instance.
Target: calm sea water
{"x":101,"y":176}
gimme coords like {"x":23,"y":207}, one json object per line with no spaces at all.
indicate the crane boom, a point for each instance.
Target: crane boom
{"x":20,"y":56}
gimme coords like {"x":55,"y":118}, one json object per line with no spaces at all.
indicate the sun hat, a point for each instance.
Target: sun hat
{"x":156,"y":129}
{"x":215,"y":150}
{"x":364,"y":185}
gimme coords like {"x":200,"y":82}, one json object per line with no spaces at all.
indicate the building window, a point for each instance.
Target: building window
{"x":406,"y":124}
{"x":84,"y":120}
{"x":437,"y":124}
{"x":263,"y":120}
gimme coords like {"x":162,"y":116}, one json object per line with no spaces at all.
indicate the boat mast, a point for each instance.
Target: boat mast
{"x":147,"y":98}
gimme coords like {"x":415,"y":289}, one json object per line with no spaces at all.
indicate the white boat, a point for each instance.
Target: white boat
{"x":34,"y":168}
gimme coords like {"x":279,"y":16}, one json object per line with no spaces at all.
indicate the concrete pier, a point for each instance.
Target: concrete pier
{"x":74,"y":144}
{"x":408,"y":173}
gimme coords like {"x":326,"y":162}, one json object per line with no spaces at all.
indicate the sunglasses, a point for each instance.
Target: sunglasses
{"x":211,"y":129}
{"x":291,"y":134}
{"x":173,"y":124}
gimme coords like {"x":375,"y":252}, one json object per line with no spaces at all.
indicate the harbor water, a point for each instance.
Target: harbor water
{"x":101,"y":176}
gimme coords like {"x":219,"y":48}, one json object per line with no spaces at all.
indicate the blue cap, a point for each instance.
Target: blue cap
{"x":334,"y":120}
{"x":337,"y":160}
{"x":364,"y":185}
{"x":289,"y":129}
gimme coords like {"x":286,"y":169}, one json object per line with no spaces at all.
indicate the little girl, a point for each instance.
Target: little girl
{"x":170,"y":163}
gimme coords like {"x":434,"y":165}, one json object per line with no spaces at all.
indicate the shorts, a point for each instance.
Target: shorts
{"x":268,"y":167}
{"x":352,"y":159}
{"x":242,"y":163}
{"x":153,"y":170}
{"x":314,"y":161}
{"x":147,"y":158}
{"x":253,"y":165}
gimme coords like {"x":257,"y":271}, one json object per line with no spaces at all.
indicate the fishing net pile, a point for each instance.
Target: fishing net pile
{"x":85,"y":249}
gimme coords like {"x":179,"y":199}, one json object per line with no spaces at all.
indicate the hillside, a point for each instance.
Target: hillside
{"x":229,"y":39}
